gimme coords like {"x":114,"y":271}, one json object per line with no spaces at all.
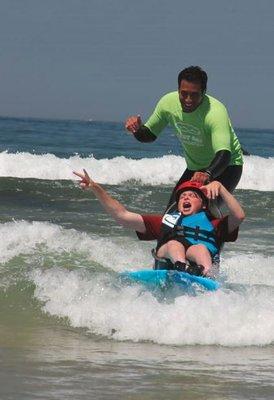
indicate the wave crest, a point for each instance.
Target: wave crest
{"x":258,"y":171}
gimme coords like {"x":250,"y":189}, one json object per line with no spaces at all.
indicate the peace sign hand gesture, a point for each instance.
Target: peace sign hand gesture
{"x":86,"y":182}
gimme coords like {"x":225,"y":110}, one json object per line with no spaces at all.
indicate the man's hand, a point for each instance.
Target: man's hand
{"x":202,"y":177}
{"x":133,"y":123}
{"x":85,"y":182}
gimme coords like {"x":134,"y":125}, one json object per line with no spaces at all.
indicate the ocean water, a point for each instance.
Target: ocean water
{"x":68,"y":328}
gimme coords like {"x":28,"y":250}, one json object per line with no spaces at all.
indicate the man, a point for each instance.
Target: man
{"x":211,"y":148}
{"x":188,"y":233}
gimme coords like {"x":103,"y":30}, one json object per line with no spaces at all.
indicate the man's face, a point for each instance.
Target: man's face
{"x":190,"y":95}
{"x":189,"y":202}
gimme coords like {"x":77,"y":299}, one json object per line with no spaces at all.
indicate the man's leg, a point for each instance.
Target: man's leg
{"x":230,"y":177}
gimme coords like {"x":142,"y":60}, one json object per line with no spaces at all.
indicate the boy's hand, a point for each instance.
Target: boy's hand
{"x":212,"y":189}
{"x":85,"y":182}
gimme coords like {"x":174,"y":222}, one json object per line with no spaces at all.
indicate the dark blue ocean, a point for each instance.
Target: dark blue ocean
{"x":68,"y":330}
{"x":65,"y":138}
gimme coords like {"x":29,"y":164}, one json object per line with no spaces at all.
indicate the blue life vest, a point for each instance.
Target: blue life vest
{"x":191,"y":229}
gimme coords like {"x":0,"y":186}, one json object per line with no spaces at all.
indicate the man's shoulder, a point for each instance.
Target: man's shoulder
{"x":214,"y":104}
{"x":169,"y":99}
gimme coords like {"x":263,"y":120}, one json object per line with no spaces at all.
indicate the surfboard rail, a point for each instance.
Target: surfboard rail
{"x":166,"y":278}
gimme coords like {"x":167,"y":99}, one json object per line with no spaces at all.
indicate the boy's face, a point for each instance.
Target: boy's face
{"x":190,"y":202}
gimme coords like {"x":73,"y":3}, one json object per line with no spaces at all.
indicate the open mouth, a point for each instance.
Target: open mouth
{"x":187,"y":108}
{"x":186,"y":206}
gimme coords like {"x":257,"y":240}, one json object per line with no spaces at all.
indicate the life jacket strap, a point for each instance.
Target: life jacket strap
{"x":195,"y":233}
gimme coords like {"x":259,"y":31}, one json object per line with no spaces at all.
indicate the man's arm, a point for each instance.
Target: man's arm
{"x":236,"y":213}
{"x":219,"y":163}
{"x":143,"y":134}
{"x":113,"y":207}
{"x":221,"y":130}
{"x":156,"y":123}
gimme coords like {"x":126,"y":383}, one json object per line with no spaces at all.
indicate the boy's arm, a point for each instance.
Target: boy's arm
{"x":236,"y":213}
{"x":113,"y":207}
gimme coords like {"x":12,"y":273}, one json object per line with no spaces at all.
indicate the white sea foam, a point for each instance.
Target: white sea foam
{"x":76,"y":288}
{"x":258,"y":171}
{"x":19,"y":238}
{"x":229,"y":318}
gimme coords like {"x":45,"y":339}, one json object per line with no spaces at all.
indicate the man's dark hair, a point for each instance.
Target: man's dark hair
{"x":193,"y":74}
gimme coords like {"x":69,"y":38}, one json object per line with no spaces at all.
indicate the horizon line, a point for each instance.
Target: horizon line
{"x":91,"y":120}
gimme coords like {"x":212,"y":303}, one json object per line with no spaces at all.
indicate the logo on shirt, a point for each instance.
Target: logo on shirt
{"x":189,"y":134}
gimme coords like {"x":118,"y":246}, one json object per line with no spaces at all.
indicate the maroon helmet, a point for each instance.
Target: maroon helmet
{"x":194,"y":186}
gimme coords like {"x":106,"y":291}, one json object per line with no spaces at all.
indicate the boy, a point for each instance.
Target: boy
{"x":189,"y":232}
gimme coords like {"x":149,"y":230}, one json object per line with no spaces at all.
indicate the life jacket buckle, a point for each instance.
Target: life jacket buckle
{"x":196,"y":232}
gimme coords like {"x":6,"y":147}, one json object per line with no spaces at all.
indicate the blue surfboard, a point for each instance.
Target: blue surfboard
{"x":164,"y":279}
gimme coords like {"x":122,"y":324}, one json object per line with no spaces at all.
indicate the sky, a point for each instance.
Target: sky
{"x":108,"y":59}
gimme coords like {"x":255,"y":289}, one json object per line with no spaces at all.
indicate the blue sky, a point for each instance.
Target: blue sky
{"x":107,"y":59}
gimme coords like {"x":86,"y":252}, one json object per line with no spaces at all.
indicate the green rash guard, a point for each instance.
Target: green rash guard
{"x":202,"y":133}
